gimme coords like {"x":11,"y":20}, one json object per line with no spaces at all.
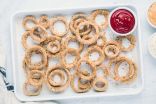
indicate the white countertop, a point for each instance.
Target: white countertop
{"x":8,"y":7}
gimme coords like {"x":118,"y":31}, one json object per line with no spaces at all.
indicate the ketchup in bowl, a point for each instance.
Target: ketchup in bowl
{"x":122,"y":21}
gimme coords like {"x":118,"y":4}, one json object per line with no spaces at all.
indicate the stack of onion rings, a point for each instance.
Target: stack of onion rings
{"x":59,"y":87}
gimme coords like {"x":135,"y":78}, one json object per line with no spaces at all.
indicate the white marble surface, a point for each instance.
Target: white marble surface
{"x":8,"y":7}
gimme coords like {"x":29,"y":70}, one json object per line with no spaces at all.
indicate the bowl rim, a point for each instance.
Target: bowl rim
{"x":149,"y":22}
{"x":124,"y":34}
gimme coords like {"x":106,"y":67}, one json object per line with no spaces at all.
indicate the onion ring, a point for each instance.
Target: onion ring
{"x":24,"y":39}
{"x":130,"y":75}
{"x":36,"y":49}
{"x":72,"y":52}
{"x":63,"y":20}
{"x":70,"y":38}
{"x":77,"y":89}
{"x":81,"y":75}
{"x":44,"y":21}
{"x":92,"y":40}
{"x":76,"y":20}
{"x":113,"y":47}
{"x":83,"y":84}
{"x":131,"y":39}
{"x":99,"y":51}
{"x":58,"y":88}
{"x":103,"y":12}
{"x":27,"y":19}
{"x":100,"y":84}
{"x":61,"y":75}
{"x":54,"y":40}
{"x":38,"y":34}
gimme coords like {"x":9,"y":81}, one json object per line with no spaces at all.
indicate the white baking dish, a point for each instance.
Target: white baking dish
{"x":18,"y":53}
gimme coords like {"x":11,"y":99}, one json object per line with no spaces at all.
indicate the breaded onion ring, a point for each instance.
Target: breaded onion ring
{"x":61,"y":19}
{"x":103,"y":12}
{"x":30,"y":89}
{"x":27,"y":19}
{"x":61,"y":75}
{"x":38,"y":50}
{"x":58,"y":88}
{"x":131,"y":39}
{"x":95,"y":36}
{"x":39,"y":34}
{"x":77,"y":89}
{"x":24,"y":39}
{"x":36,"y":77}
{"x":112,"y":49}
{"x":44,"y":21}
{"x":70,"y":38}
{"x":93,"y":49}
{"x":100,"y":84}
{"x":79,"y":72}
{"x":53,"y":48}
{"x":131,"y":75}
{"x":76,"y":20}
{"x":72,"y":52}
{"x":82,"y":83}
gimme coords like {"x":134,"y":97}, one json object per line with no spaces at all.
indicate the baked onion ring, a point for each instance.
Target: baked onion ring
{"x":95,"y":36}
{"x":58,"y":88}
{"x":38,"y":50}
{"x":112,"y":49}
{"x":131,"y":75}
{"x":131,"y":39}
{"x":100,"y":84}
{"x":77,"y":89}
{"x":82,"y":83}
{"x":55,"y":48}
{"x":69,"y":39}
{"x":61,"y":75}
{"x":72,"y":52}
{"x":24,"y":39}
{"x":98,"y":50}
{"x":44,"y":21}
{"x":39,"y":34}
{"x":103,"y":12}
{"x":76,"y":20}
{"x":27,"y":19}
{"x":61,"y":19}
{"x":80,"y":74}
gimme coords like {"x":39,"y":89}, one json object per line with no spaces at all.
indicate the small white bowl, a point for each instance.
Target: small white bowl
{"x":149,"y":50}
{"x":154,"y":26}
{"x":135,"y":25}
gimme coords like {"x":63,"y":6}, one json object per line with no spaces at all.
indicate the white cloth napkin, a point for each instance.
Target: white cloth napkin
{"x":8,"y":97}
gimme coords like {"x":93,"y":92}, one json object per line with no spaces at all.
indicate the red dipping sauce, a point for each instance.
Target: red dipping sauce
{"x":122,"y":21}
